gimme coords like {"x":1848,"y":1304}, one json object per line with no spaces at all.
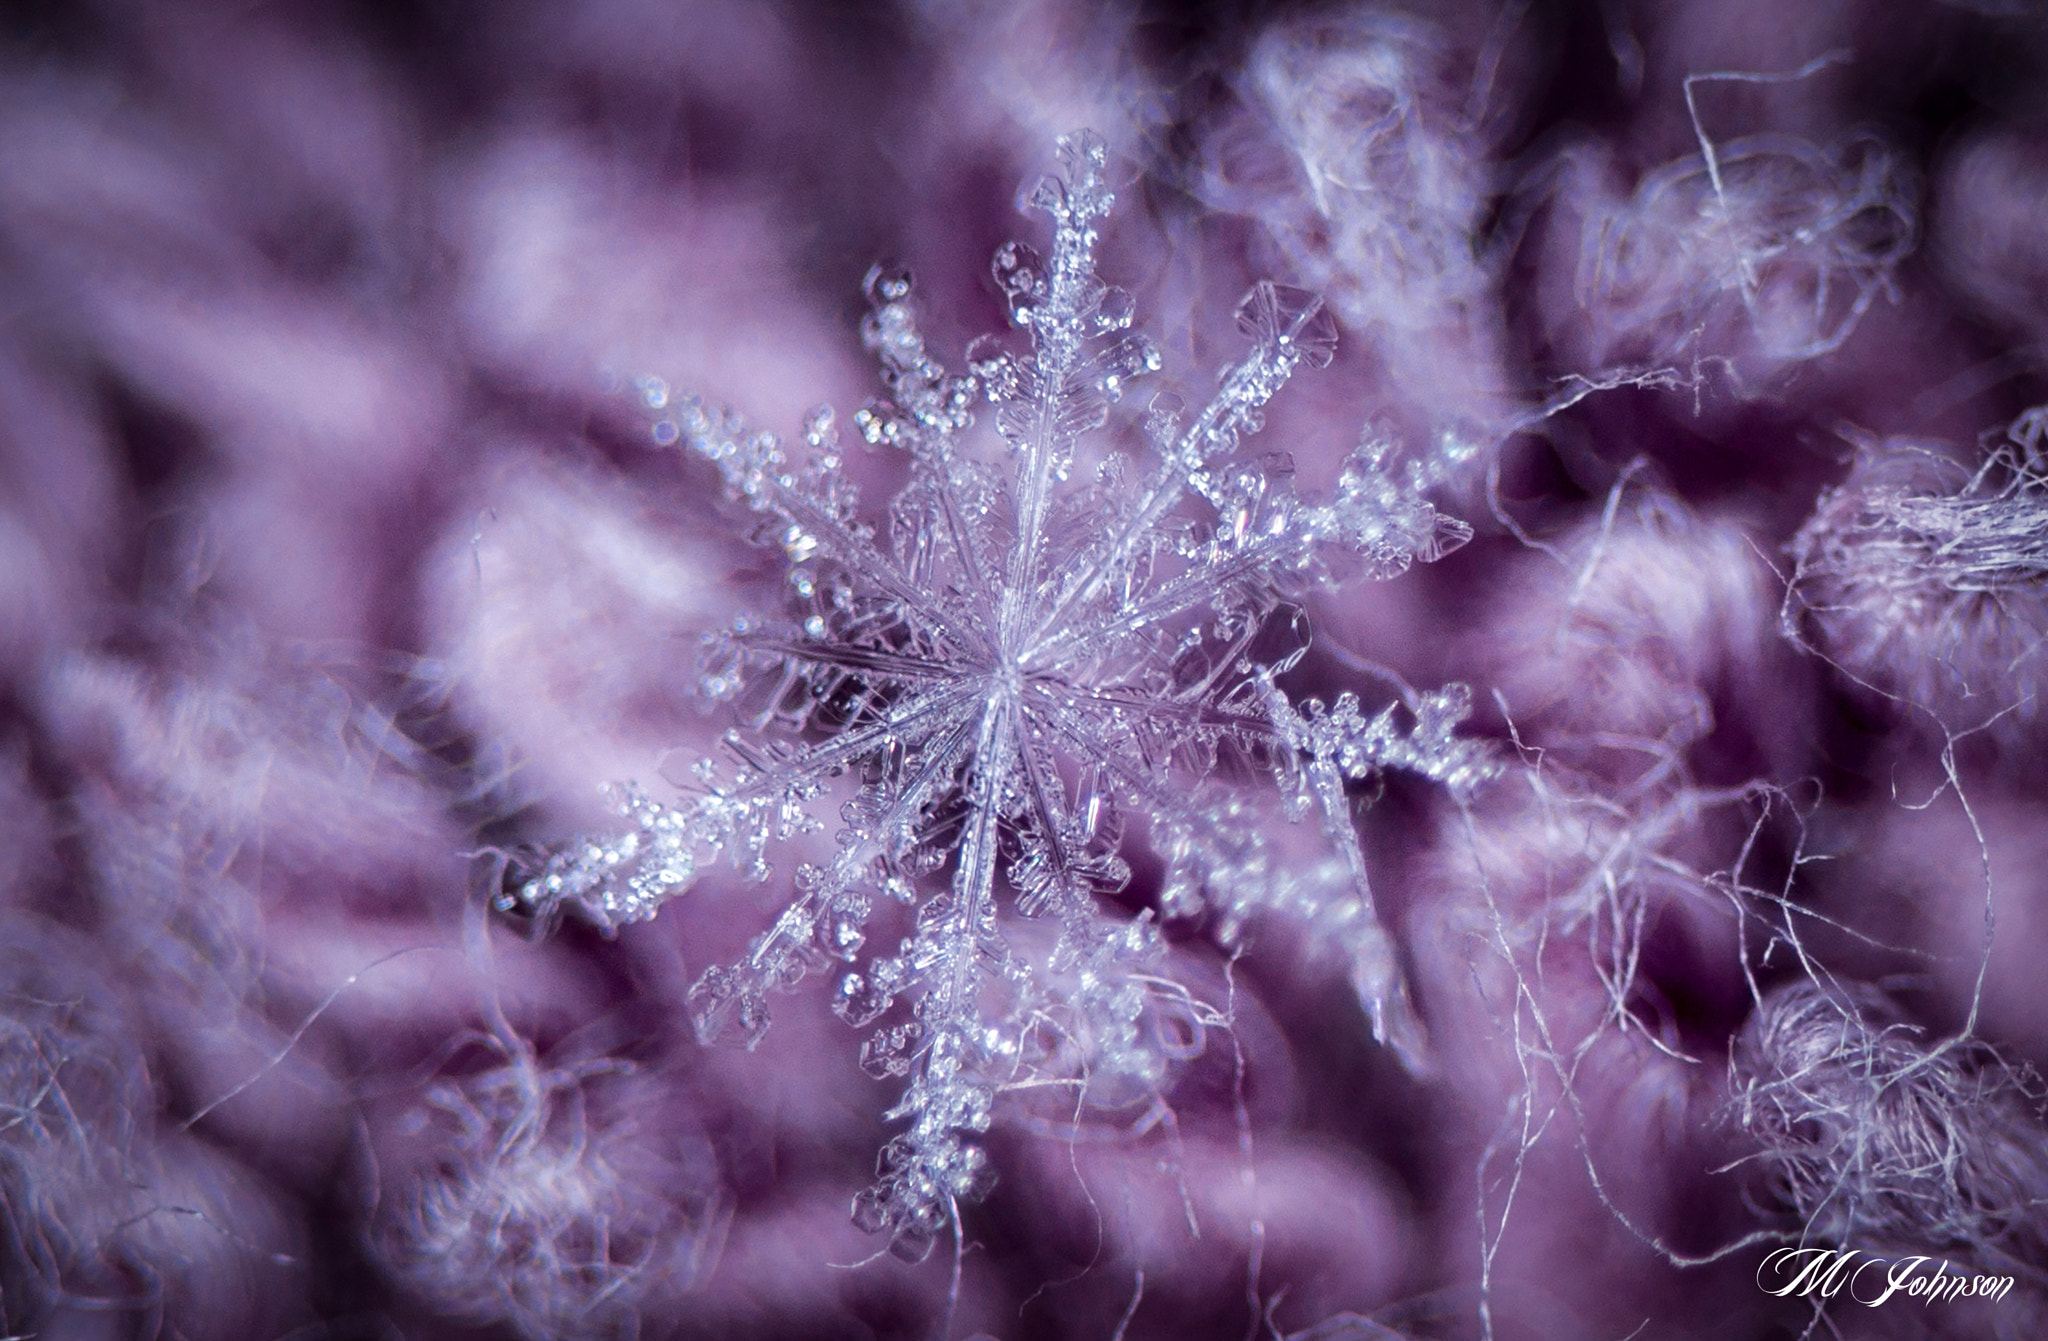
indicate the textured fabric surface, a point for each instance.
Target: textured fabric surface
{"x":1664,"y":659}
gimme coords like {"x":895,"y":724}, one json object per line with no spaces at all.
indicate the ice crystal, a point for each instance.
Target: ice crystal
{"x":1048,"y":637}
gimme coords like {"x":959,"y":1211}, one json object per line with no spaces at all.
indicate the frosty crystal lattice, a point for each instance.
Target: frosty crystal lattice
{"x":1048,"y":650}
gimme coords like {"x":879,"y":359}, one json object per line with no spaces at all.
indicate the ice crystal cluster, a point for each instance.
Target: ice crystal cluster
{"x":1050,"y":650}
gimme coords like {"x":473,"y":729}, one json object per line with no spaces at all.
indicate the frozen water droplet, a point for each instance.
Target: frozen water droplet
{"x":845,"y":936}
{"x":1115,"y":309}
{"x":887,"y":284}
{"x":871,"y":1210}
{"x":1163,"y":415}
{"x":913,"y":1243}
{"x":1050,"y":195}
{"x":1018,"y":268}
{"x":819,"y":425}
{"x":1129,"y":358}
{"x":859,"y":1002}
{"x":888,"y":1053}
{"x":1020,"y":272}
{"x":724,"y":1009}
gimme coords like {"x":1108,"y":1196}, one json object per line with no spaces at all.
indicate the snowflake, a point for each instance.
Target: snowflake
{"x":1052,"y":635}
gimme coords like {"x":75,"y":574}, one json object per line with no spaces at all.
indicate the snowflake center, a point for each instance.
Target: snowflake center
{"x":1009,"y":678}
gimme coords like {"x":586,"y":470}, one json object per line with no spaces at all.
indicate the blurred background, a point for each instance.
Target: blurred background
{"x":331,"y":556}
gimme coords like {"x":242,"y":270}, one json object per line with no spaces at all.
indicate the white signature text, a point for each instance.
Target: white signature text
{"x":1828,"y":1272}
